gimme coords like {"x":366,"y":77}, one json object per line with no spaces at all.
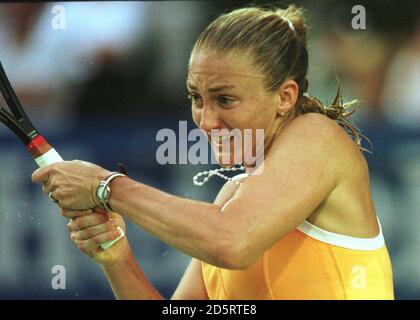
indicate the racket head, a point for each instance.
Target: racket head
{"x":16,"y":119}
{"x":10,"y":96}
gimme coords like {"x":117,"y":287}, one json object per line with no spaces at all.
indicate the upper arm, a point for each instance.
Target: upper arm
{"x":298,"y":174}
{"x":191,"y":286}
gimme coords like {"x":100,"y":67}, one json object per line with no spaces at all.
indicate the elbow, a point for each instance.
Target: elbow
{"x":232,"y":253}
{"x":236,"y":262}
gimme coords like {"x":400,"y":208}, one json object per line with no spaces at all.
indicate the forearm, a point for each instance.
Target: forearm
{"x":128,"y":281}
{"x":196,"y":228}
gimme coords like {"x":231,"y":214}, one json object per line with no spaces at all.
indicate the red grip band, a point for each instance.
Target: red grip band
{"x":38,"y":146}
{"x":36,"y":142}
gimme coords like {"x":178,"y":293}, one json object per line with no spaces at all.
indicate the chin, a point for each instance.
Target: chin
{"x":232,"y":160}
{"x":229,"y":155}
{"x":226,"y":165}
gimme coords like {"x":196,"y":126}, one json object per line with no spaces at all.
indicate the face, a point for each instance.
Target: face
{"x":228,"y":95}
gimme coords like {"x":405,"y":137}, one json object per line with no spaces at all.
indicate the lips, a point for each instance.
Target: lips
{"x":220,"y":140}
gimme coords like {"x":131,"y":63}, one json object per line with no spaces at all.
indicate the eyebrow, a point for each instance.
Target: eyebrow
{"x":222,"y":87}
{"x":214,"y":89}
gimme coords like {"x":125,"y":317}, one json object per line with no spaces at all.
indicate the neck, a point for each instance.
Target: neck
{"x":275,"y":131}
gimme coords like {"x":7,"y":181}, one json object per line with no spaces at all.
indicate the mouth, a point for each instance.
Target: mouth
{"x":220,"y":141}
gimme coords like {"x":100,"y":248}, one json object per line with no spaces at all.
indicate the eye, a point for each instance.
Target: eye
{"x":196,"y":100}
{"x":225,"y":102}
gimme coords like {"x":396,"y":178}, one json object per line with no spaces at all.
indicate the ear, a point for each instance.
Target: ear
{"x":288,"y":95}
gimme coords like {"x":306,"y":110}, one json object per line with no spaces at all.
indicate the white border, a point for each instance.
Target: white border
{"x":341,"y":240}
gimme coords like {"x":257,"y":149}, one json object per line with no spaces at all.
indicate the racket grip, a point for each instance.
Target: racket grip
{"x":44,"y":154}
{"x":48,"y":158}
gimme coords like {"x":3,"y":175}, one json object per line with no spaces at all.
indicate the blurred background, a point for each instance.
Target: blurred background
{"x":100,"y":80}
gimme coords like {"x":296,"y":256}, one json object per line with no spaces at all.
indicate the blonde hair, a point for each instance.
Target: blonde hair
{"x":275,"y":39}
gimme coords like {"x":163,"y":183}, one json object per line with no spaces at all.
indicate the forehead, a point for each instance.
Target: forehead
{"x":211,"y":67}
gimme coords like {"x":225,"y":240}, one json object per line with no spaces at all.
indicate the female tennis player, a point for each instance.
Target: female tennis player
{"x":304,"y":227}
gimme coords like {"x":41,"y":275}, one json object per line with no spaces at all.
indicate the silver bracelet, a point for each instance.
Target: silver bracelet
{"x":103,"y":190}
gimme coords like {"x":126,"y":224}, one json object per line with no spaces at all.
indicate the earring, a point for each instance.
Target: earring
{"x":281,"y":114}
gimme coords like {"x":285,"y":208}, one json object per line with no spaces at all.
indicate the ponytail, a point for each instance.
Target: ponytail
{"x":338,"y":111}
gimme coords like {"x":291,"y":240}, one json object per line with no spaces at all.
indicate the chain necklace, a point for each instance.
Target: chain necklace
{"x":216,"y":172}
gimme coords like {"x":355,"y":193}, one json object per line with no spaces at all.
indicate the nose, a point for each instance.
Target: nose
{"x":209,"y":119}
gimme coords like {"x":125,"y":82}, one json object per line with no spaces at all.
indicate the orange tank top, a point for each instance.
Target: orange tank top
{"x":309,"y":263}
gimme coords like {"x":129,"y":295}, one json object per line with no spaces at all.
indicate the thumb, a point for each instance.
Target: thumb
{"x":41,"y":175}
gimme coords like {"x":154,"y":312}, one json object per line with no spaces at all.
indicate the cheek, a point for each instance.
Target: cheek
{"x":196,"y":115}
{"x":265,"y":115}
{"x":256,"y":116}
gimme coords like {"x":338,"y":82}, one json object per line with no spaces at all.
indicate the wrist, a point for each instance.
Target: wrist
{"x":103,"y":190}
{"x":124,"y":260}
{"x":94,"y":189}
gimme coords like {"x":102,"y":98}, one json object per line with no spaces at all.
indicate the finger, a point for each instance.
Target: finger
{"x":84,"y":222}
{"x":48,"y":187}
{"x":42,"y":175}
{"x":100,"y":210}
{"x":72,"y":214}
{"x":91,"y":246}
{"x":91,"y":232}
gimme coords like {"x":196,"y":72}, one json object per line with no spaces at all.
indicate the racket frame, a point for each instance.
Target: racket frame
{"x":16,"y":119}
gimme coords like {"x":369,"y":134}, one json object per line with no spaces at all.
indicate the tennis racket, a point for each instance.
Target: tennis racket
{"x":18,"y":122}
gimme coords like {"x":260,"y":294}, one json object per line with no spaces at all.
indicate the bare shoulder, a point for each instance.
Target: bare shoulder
{"x":320,"y":135}
{"x":317,"y":127}
{"x":321,"y":144}
{"x":348,"y":209}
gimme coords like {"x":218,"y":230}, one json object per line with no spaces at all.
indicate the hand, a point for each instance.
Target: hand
{"x":89,"y":230}
{"x":72,"y":183}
